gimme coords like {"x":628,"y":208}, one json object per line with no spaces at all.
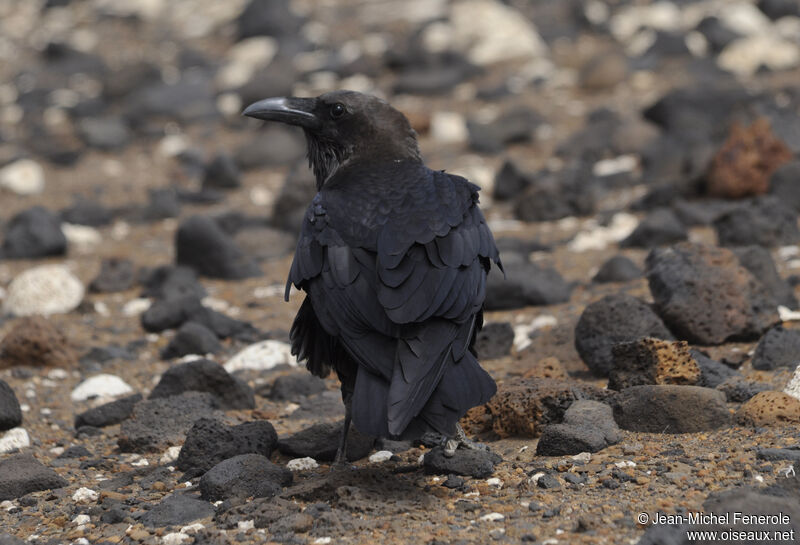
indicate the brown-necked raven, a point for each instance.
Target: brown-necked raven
{"x":393,"y":257}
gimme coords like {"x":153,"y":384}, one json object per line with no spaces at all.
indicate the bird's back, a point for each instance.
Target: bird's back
{"x":394,"y":258}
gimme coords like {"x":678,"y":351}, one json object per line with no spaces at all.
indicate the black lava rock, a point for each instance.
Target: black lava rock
{"x":784,"y":184}
{"x":116,"y":274}
{"x":739,"y":390}
{"x":222,"y":173}
{"x":659,"y":227}
{"x":35,"y":232}
{"x":191,"y":99}
{"x":87,"y":212}
{"x":474,"y":463}
{"x":10,"y":413}
{"x":712,"y":372}
{"x":671,"y":409}
{"x":320,"y":442}
{"x":22,"y":474}
{"x":509,"y":182}
{"x":172,"y":313}
{"x":210,"y":441}
{"x":716,"y":33}
{"x":158,"y":423}
{"x":295,"y":386}
{"x":202,"y":245}
{"x":588,"y":426}
{"x":267,"y":18}
{"x":244,"y":476}
{"x":177,"y":510}
{"x":555,"y":195}
{"x":775,"y":9}
{"x":611,"y":320}
{"x":162,"y":204}
{"x":108,"y":414}
{"x":494,"y":340}
{"x":548,"y":480}
{"x":170,"y":282}
{"x":764,"y":221}
{"x":705,"y":296}
{"x":617,"y":269}
{"x":192,"y":338}
{"x":75,"y":451}
{"x":758,"y":261}
{"x":104,"y":133}
{"x":778,"y":348}
{"x":516,"y":125}
{"x":525,"y":284}
{"x":205,"y":376}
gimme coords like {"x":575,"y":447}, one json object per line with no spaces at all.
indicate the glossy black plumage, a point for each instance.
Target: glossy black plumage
{"x":393,"y":257}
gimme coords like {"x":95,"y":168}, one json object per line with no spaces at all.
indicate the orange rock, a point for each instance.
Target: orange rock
{"x":35,"y":342}
{"x":743,"y":165}
{"x":546,"y":368}
{"x":521,"y":408}
{"x":769,"y":408}
{"x":652,"y":361}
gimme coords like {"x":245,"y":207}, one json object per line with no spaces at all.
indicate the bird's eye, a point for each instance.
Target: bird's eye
{"x":337,"y":110}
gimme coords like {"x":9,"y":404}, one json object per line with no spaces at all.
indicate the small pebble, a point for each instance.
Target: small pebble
{"x":14,"y":439}
{"x":302,"y":464}
{"x":492,"y":517}
{"x":85,"y":495}
{"x":102,"y":385}
{"x":381,"y":456}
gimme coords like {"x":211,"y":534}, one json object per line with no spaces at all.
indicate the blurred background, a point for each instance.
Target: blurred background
{"x":582,"y":120}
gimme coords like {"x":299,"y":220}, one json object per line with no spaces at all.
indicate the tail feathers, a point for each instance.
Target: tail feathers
{"x":312,"y":344}
{"x":463,"y":385}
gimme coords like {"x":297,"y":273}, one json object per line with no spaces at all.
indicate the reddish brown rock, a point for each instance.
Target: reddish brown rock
{"x":35,"y":342}
{"x":652,"y":361}
{"x":524,"y":407}
{"x":743,"y":165}
{"x":546,"y":368}
{"x":770,"y":408}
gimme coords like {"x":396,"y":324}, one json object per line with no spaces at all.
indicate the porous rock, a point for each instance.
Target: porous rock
{"x":769,"y":408}
{"x":108,"y":414}
{"x":588,"y":426}
{"x":22,"y":474}
{"x":205,"y":376}
{"x":671,"y":409}
{"x":320,"y":442}
{"x":612,"y":320}
{"x":652,"y":361}
{"x":704,"y":295}
{"x":210,"y":441}
{"x":35,"y":342}
{"x":246,"y":475}
{"x":779,"y":347}
{"x":474,"y":463}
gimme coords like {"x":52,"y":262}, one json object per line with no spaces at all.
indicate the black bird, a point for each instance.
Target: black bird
{"x":393,"y":257}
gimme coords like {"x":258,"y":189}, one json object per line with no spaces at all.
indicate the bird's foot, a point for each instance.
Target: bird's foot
{"x":339,"y":466}
{"x":462,"y":441}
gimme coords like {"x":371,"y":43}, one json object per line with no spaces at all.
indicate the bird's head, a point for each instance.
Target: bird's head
{"x":342,"y":127}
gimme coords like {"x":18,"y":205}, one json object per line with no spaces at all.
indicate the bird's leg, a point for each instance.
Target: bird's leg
{"x":340,"y":460}
{"x":461,"y":440}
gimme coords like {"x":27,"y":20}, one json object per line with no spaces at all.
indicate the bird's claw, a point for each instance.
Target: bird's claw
{"x":462,"y":441}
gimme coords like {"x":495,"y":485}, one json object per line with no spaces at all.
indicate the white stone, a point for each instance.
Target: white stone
{"x":627,"y":22}
{"x":492,"y":517}
{"x":102,"y":385}
{"x":744,"y":18}
{"x":745,"y":55}
{"x":598,"y":237}
{"x":381,"y":456}
{"x":302,"y":464}
{"x":140,"y":462}
{"x":244,"y":525}
{"x":262,"y":356}
{"x":81,"y":541}
{"x":522,"y":332}
{"x":135,"y":307}
{"x":788,"y":315}
{"x":617,"y":165}
{"x":23,"y":177}
{"x":85,"y":495}
{"x":244,"y":59}
{"x":449,"y":127}
{"x":47,"y":289}
{"x":14,"y":439}
{"x":175,"y":538}
{"x":793,"y":386}
{"x":584,"y":457}
{"x":323,"y":540}
{"x":474,"y":28}
{"x":81,"y":519}
{"x":229,"y":104}
{"x":7,"y":505}
{"x":57,"y":374}
{"x":192,"y":528}
{"x":83,"y":237}
{"x":495,"y":482}
{"x":170,"y":455}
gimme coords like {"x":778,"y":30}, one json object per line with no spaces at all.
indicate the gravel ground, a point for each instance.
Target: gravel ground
{"x":640,"y":166}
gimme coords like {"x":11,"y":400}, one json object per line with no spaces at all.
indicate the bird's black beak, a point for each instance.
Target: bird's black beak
{"x":293,"y":111}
